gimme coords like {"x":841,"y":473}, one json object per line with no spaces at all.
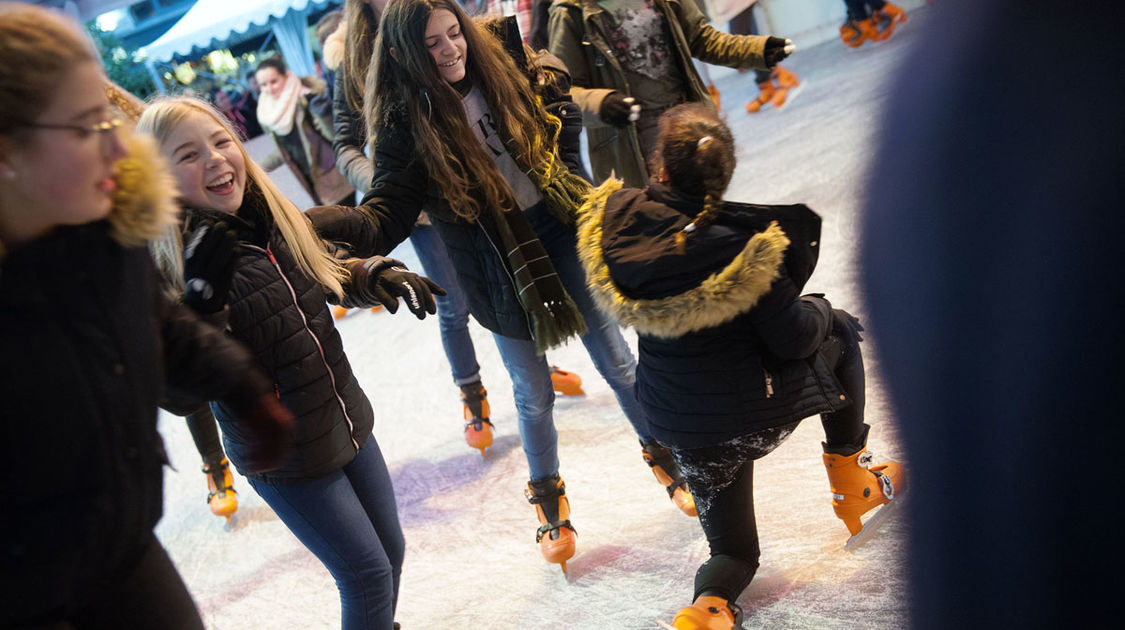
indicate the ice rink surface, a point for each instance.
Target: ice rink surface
{"x":472,"y":561}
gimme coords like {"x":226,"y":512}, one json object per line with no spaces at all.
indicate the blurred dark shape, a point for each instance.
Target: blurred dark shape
{"x":990,"y":259}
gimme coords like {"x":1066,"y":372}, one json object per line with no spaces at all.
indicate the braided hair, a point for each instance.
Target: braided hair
{"x":695,"y":154}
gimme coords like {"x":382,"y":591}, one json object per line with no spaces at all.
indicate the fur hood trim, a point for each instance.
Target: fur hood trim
{"x":144,"y":204}
{"x":334,"y":46}
{"x":721,"y":297}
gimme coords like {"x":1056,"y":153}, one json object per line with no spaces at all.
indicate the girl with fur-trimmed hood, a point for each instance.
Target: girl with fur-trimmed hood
{"x":91,"y":345}
{"x":732,"y":357}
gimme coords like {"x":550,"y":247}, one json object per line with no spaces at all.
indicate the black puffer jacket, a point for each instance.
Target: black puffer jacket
{"x":727,"y":345}
{"x":282,"y":316}
{"x":89,"y":343}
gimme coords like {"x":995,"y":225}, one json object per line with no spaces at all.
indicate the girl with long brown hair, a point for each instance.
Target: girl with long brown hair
{"x":460,"y":130}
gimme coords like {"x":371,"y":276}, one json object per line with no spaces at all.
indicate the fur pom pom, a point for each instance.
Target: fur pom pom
{"x":144,"y":203}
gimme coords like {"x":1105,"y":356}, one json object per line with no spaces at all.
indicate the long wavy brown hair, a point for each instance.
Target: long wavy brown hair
{"x":409,"y":82}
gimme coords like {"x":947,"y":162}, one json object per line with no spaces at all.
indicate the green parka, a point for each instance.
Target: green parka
{"x":578,"y":35}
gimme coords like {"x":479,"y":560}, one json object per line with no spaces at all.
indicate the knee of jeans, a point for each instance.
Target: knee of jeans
{"x":535,"y":406}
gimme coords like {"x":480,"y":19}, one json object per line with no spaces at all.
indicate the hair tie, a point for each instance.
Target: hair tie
{"x":702,"y":141}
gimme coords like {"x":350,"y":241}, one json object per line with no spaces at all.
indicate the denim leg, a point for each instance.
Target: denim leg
{"x":603,"y":340}
{"x":452,"y":309}
{"x":348,"y":520}
{"x":535,"y":399}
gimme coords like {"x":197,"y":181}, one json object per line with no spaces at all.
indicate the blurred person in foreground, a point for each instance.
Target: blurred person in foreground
{"x":91,"y":346}
{"x":990,"y":256}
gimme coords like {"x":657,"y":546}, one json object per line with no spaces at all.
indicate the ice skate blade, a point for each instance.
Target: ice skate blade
{"x":877,"y":520}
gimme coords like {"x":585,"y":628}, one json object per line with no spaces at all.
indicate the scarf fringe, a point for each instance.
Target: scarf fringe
{"x":556,"y":323}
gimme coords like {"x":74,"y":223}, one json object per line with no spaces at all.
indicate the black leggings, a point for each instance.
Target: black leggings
{"x":205,"y":433}
{"x":721,"y":477}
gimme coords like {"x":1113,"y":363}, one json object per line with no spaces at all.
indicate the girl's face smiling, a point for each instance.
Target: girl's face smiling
{"x":207,"y":163}
{"x":446,"y":43}
{"x":270,"y":81}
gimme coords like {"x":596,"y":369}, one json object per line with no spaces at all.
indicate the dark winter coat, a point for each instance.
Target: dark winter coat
{"x":727,"y":345}
{"x":282,"y":316}
{"x":579,"y":36}
{"x":89,"y":343}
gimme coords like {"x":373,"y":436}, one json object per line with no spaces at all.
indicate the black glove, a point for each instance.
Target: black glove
{"x":846,"y":324}
{"x":384,"y":280}
{"x":268,"y":428}
{"x":776,"y":50}
{"x":619,"y":110}
{"x":209,"y":259}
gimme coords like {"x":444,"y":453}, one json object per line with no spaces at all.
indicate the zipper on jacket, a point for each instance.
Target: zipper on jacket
{"x":319,"y":347}
{"x":769,"y":383}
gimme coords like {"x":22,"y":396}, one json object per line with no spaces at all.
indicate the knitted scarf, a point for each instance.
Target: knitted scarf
{"x":279,"y":114}
{"x":552,"y":313}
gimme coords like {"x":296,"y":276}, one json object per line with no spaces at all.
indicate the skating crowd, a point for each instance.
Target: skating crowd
{"x":193,"y":284}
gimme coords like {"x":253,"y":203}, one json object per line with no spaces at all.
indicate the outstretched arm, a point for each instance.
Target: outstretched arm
{"x":389,"y":209}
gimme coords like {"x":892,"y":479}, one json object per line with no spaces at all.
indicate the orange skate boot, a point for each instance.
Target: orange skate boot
{"x":478,"y":428}
{"x":220,"y":489}
{"x":709,"y":612}
{"x":766,"y":93}
{"x":856,"y":32}
{"x":667,"y":472}
{"x":566,"y":383}
{"x":858,"y":487}
{"x":885,"y":20}
{"x":556,"y":536}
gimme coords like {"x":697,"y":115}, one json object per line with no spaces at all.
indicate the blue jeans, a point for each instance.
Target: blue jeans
{"x":531,"y":379}
{"x":348,"y":519}
{"x":452,"y":309}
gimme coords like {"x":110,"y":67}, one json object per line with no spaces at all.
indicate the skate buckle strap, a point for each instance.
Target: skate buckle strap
{"x":535,"y":499}
{"x":887,"y":485}
{"x":478,"y":424}
{"x":550,"y":527}
{"x":865,"y":459}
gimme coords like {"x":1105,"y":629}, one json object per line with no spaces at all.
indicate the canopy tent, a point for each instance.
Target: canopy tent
{"x":210,"y":23}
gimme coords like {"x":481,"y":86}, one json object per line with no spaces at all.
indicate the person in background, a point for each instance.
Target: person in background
{"x":870,"y":21}
{"x":295,"y":112}
{"x":92,"y":346}
{"x":630,"y":60}
{"x":326,"y":26}
{"x":732,"y":357}
{"x":247,"y":103}
{"x":222,"y":101}
{"x":775,"y":86}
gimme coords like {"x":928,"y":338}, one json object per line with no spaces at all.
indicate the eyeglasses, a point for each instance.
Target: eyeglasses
{"x":83,"y":131}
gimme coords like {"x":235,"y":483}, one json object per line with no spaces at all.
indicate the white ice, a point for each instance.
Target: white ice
{"x":472,"y":561}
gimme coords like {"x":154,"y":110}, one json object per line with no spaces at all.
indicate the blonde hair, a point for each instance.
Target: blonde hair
{"x":37,"y":48}
{"x":159,"y":119}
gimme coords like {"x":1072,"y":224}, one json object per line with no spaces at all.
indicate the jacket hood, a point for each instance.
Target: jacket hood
{"x":144,"y":203}
{"x":711,"y":293}
{"x":334,"y":46}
